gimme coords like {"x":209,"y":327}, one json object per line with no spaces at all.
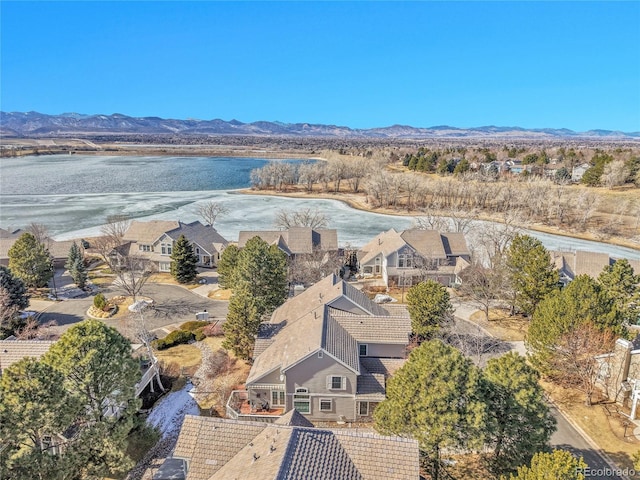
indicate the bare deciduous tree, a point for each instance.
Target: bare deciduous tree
{"x":41,"y":232}
{"x":210,"y":211}
{"x":306,"y":217}
{"x":482,"y":285}
{"x":615,"y":173}
{"x":313,"y":267}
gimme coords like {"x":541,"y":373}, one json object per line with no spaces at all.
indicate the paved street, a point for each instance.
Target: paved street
{"x":480,"y":346}
{"x":173,"y":305}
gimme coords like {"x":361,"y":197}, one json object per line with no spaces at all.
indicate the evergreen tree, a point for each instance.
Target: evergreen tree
{"x":519,"y":421}
{"x":262,"y":271}
{"x":623,"y":286}
{"x":557,"y":465}
{"x":531,"y":272}
{"x":436,"y":399}
{"x":429,"y":307}
{"x":184,"y":261}
{"x":13,"y":298}
{"x":227,"y":266}
{"x":75,"y":266}
{"x":33,"y":405}
{"x":30,"y":261}
{"x":242,"y":324}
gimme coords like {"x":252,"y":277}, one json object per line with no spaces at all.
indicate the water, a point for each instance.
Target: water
{"x":74,"y":194}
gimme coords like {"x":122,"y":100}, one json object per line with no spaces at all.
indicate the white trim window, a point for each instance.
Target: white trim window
{"x":277,"y":398}
{"x":164,"y":266}
{"x":363,"y":349}
{"x":301,"y":400}
{"x":405,"y":260}
{"x":326,"y":405}
{"x":336,"y":382}
{"x":363,"y":409}
{"x":144,"y":248}
{"x":166,"y":248}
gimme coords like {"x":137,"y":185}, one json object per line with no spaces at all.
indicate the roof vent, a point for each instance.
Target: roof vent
{"x":272,"y":448}
{"x":255,"y":457}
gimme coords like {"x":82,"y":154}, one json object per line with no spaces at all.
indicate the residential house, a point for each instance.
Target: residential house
{"x":59,"y":250}
{"x":289,"y":449}
{"x":408,"y":257}
{"x":295,"y":240}
{"x":619,"y":375}
{"x":155,"y":239}
{"x":570,"y":264}
{"x":578,"y":171}
{"x":326,"y":353}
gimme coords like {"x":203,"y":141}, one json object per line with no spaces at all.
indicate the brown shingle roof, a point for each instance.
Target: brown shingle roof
{"x":580,"y":262}
{"x":427,"y":243}
{"x":295,"y":240}
{"x":148,"y":232}
{"x":227,"y":449}
{"x":12,"y":351}
{"x":208,"y":443}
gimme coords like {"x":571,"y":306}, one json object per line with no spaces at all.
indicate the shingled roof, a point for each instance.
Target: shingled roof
{"x":228,"y":449}
{"x":12,"y":351}
{"x":148,"y":232}
{"x":204,"y":235}
{"x":295,"y":240}
{"x":332,"y":316}
{"x":580,"y":262}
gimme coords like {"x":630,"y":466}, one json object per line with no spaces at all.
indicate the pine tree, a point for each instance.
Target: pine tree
{"x":623,"y":286}
{"x":557,"y":465}
{"x":30,"y":261}
{"x":75,"y":266}
{"x":242,"y":324}
{"x":519,"y":421}
{"x":531,"y":272}
{"x":436,"y":399}
{"x":13,"y":298}
{"x":262,"y":271}
{"x":429,"y":307}
{"x":184,"y":261}
{"x":227,"y":266}
{"x":33,"y":405}
{"x":73,"y":256}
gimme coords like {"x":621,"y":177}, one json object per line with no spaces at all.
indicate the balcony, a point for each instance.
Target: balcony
{"x":240,"y":407}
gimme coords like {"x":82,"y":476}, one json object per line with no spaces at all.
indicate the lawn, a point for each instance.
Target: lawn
{"x":510,"y":328}
{"x":603,"y":422}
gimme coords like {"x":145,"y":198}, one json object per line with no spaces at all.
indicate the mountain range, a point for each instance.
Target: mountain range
{"x":24,"y":124}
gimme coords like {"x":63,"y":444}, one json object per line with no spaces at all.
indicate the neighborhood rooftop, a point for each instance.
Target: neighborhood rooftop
{"x":229,"y":449}
{"x":295,"y":240}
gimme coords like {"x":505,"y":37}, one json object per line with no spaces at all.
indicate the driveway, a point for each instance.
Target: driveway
{"x":173,"y":305}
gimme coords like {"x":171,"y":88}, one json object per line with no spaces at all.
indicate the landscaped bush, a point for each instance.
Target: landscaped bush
{"x":99,"y":301}
{"x":193,"y":325}
{"x":174,"y":338}
{"x":213,"y":330}
{"x":199,"y":334}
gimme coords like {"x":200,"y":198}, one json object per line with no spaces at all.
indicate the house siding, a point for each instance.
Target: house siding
{"x":312,"y":374}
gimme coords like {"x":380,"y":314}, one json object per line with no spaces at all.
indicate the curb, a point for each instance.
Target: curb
{"x":587,"y":438}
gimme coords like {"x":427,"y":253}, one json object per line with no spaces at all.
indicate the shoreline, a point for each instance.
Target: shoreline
{"x":348,"y":199}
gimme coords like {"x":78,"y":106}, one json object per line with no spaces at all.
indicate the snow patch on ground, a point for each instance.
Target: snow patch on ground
{"x":167,"y":415}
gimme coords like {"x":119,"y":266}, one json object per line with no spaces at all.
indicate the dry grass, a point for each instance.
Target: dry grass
{"x":167,"y":278}
{"x":503,"y":326}
{"x":182,"y":359}
{"x":221,"y":294}
{"x":603,"y":422}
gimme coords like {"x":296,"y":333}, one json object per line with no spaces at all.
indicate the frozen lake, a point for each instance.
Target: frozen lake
{"x":74,"y":194}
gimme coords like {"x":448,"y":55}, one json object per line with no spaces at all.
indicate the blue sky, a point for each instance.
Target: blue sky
{"x":360,"y":64}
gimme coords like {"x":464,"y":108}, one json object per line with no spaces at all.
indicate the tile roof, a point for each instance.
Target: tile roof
{"x":375,"y":329}
{"x":295,"y":240}
{"x":337,"y":341}
{"x":12,"y":351}
{"x":455,"y":244}
{"x":58,"y":249}
{"x":219,"y":449}
{"x":385,"y":366}
{"x":293,"y":418}
{"x":427,"y":243}
{"x":371,"y":387}
{"x":208,"y":443}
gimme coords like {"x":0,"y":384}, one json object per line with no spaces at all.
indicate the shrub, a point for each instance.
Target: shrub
{"x":99,"y":301}
{"x":174,"y":338}
{"x":199,"y":334}
{"x":213,"y":330}
{"x":193,"y":325}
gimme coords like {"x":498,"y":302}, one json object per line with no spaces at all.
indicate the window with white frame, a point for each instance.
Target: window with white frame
{"x":301,"y":400}
{"x":166,"y":248}
{"x":277,"y":398}
{"x":363,"y":349}
{"x":164,"y":266}
{"x":363,"y":408}
{"x":326,"y":405}
{"x":335,"y":382}
{"x":405,"y":260}
{"x":144,"y":248}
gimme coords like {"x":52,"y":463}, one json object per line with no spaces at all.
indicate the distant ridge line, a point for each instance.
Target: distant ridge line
{"x":23,"y":124}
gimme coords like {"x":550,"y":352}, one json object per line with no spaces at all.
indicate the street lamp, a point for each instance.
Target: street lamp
{"x":53,"y":280}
